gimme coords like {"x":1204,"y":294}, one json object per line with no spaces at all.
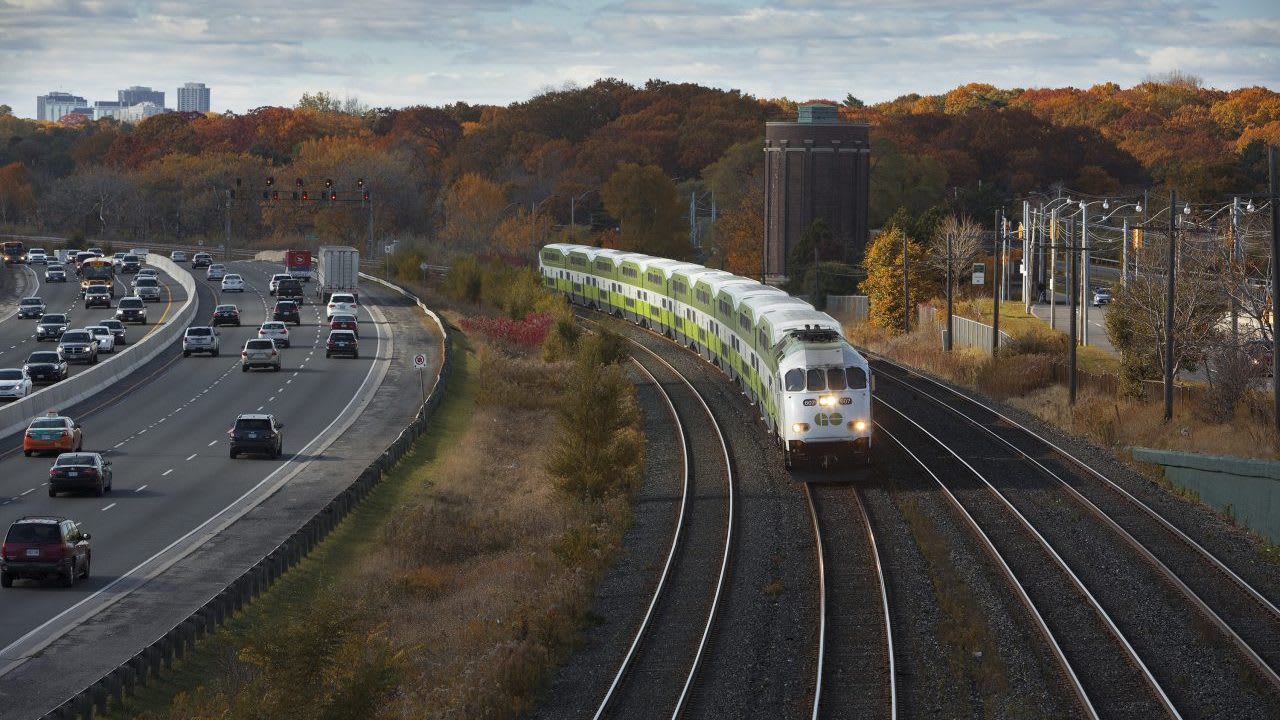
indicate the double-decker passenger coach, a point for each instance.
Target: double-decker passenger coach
{"x":792,"y":361}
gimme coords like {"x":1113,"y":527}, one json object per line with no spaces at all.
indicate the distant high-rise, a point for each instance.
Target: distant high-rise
{"x":106,"y":108}
{"x":56,"y":104}
{"x":193,"y":97}
{"x":815,"y":168}
{"x":139,"y":94}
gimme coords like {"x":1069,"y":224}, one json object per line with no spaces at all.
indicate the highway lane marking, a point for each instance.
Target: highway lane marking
{"x":108,"y":507}
{"x":273,"y":397}
{"x":140,"y":489}
{"x":260,"y":407}
{"x":192,"y":456}
{"x":143,"y":430}
{"x":29,"y":491}
{"x":215,"y":442}
{"x":296,"y":374}
{"x":120,"y":443}
{"x":166,"y":472}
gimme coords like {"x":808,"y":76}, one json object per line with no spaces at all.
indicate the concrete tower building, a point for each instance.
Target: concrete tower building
{"x":815,"y":168}
{"x":139,"y":94}
{"x":56,"y":104}
{"x":193,"y":97}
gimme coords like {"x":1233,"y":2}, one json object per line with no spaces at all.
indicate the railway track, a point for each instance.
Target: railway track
{"x":1182,"y":606}
{"x":856,"y":673}
{"x":655,"y":677}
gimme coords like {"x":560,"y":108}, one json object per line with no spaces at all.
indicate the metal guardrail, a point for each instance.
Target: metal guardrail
{"x":971,"y":333}
{"x":848,"y":308}
{"x":110,"y":690}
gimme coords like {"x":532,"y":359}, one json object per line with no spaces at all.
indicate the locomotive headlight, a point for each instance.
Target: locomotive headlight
{"x":800,"y":427}
{"x":828,"y":400}
{"x":860,"y":425}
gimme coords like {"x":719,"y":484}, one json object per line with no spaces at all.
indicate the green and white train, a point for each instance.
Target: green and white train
{"x":813,"y":389}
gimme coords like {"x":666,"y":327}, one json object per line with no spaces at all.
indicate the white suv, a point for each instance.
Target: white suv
{"x":341,"y":303}
{"x":200,"y":339}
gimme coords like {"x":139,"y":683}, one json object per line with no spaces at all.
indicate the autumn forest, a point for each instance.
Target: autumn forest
{"x":620,"y":161}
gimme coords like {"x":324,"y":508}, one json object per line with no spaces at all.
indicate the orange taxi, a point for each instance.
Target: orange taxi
{"x":52,"y":433}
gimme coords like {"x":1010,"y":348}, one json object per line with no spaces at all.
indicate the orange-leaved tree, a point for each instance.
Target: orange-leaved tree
{"x":883,"y":284}
{"x":643,"y":199}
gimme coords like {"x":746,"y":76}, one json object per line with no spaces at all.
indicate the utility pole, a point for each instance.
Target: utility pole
{"x":1275,"y":281}
{"x":1053,"y":269}
{"x":906,"y":283}
{"x":1168,"y":308}
{"x":1073,"y":292}
{"x":226,"y":246}
{"x":370,"y":196}
{"x":693,"y":219}
{"x":995,"y":276}
{"x":1084,"y":272}
{"x":1027,"y":254}
{"x":1124,"y":255}
{"x":947,"y":339}
{"x":1236,"y":258}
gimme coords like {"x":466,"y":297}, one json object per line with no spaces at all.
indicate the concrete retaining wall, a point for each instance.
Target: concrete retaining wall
{"x":15,"y":416}
{"x":1248,"y":490}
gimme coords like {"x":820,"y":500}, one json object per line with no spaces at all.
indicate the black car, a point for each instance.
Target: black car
{"x":286,"y":311}
{"x":201,"y":260}
{"x":225,"y":315}
{"x":97,"y":296}
{"x":291,"y":289}
{"x":80,"y":471}
{"x":46,"y":366}
{"x":256,"y":433}
{"x":31,"y":307}
{"x":51,"y":327}
{"x":117,"y":329}
{"x":37,"y":547}
{"x":342,"y":342}
{"x":55,"y":273}
{"x":130,"y":264}
{"x":79,"y":346}
{"x":132,"y":309}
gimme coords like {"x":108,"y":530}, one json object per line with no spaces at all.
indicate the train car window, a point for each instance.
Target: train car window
{"x":817,"y":380}
{"x":794,"y":380}
{"x":857,"y":378}
{"x":835,"y":379}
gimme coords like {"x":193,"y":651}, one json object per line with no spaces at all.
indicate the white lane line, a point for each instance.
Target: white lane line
{"x":273,"y":397}
{"x":120,"y":443}
{"x":215,"y":442}
{"x":142,"y":431}
{"x":31,"y":490}
{"x":141,"y":488}
{"x":166,"y":472}
{"x":192,"y":457}
{"x":260,"y":407}
{"x":295,"y":374}
{"x":108,"y":507}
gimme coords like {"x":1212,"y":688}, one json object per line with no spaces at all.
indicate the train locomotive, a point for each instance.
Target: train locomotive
{"x":812,"y":387}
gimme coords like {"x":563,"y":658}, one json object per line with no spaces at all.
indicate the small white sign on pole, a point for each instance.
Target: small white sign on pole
{"x":419,"y":361}
{"x":979,"y":274}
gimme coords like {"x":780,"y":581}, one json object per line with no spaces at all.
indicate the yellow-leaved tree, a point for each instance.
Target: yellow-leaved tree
{"x":883,"y":284}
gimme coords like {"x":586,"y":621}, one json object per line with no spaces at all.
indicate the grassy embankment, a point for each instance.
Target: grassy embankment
{"x":467,"y":574}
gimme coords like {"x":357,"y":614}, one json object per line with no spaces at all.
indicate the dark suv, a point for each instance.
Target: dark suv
{"x":286,"y":311}
{"x":39,"y":547}
{"x":257,"y":433}
{"x":291,"y":289}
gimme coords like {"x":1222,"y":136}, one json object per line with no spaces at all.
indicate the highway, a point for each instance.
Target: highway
{"x":166,"y":435}
{"x":18,"y":335}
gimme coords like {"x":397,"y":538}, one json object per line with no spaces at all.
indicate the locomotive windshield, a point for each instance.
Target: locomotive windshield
{"x":818,"y":379}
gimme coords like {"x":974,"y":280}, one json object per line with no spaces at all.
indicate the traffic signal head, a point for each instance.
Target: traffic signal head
{"x":270,"y":180}
{"x":360,"y":183}
{"x":275,"y":194}
{"x":265,"y":195}
{"x":333,"y":196}
{"x":328,"y":182}
{"x":304,"y":195}
{"x":298,"y":182}
{"x":366,"y":196}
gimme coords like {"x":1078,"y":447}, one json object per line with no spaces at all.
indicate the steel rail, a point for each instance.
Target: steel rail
{"x":1147,"y":509}
{"x":728,"y":544}
{"x":671,"y":554}
{"x":1148,"y":677}
{"x":1124,"y":535}
{"x":822,"y":601}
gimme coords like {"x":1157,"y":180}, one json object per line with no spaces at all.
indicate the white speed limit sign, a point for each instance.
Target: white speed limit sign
{"x":419,"y":361}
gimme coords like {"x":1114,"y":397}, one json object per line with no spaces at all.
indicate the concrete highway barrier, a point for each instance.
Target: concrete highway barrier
{"x":15,"y":416}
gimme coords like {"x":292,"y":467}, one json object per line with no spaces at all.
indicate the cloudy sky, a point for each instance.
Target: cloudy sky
{"x":401,"y":52}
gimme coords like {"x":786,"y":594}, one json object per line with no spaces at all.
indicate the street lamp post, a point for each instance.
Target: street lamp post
{"x":1168,"y":309}
{"x":906,"y":286}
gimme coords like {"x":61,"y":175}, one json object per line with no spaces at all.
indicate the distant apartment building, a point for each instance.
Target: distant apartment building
{"x":193,"y":97}
{"x":107,"y":109}
{"x":56,"y":104}
{"x":140,"y":94}
{"x":141,"y":111}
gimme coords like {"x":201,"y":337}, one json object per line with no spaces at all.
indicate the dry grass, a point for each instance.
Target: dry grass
{"x":451,"y":592}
